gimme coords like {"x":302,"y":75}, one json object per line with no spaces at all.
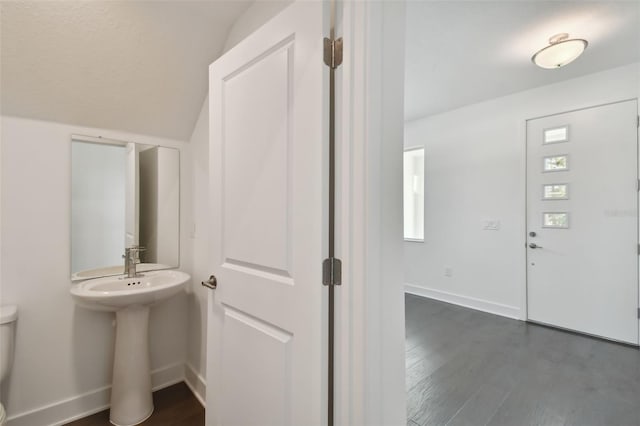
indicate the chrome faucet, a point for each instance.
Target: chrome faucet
{"x":131,"y":258}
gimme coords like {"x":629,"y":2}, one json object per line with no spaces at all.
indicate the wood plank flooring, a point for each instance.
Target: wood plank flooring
{"x":174,"y":406}
{"x":471,"y":368}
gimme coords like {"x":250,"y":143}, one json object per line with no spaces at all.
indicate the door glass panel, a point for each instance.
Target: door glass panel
{"x":555,"y":220}
{"x":555,"y":135}
{"x":556,"y":163}
{"x":555,"y":191}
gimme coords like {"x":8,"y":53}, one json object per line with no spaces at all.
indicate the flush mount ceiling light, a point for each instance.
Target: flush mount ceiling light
{"x":560,"y":52}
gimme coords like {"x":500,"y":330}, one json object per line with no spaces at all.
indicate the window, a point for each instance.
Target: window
{"x":414,"y":194}
{"x":555,"y":191}
{"x":555,"y":135}
{"x":556,"y":163}
{"x":555,"y":220}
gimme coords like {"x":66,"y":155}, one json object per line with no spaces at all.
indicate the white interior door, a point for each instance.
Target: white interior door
{"x":266,"y":134}
{"x":582,"y":221}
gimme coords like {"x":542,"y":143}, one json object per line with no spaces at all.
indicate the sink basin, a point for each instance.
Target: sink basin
{"x":130,"y":299}
{"x":115,"y":293}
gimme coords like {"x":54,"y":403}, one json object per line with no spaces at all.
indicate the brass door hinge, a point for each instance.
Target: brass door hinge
{"x":333,"y":52}
{"x":332,"y":271}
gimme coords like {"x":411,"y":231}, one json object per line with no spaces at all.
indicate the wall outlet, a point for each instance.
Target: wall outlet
{"x":448,"y":271}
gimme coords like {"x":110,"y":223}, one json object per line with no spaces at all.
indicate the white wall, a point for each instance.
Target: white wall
{"x":254,"y":17}
{"x":63,"y":353}
{"x":198,"y":230}
{"x":475,"y":171}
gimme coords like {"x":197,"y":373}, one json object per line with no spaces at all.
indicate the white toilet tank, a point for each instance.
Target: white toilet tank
{"x":8,"y":317}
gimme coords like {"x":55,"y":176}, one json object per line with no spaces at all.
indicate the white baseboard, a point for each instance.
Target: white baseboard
{"x":89,"y":403}
{"x":466,"y":301}
{"x":196,"y":383}
{"x":166,"y":376}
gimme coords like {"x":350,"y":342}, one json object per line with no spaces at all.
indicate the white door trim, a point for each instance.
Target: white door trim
{"x":370,"y":355}
{"x":580,"y":109}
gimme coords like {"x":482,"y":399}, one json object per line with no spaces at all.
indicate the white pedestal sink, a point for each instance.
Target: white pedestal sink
{"x":130,"y":299}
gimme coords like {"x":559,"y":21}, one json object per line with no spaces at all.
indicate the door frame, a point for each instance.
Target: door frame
{"x":525,"y":306}
{"x":370,"y":355}
{"x":369,"y":345}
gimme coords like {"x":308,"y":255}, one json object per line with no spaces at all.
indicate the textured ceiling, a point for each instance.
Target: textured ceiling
{"x":141,"y":66}
{"x":137,"y":66}
{"x":462,"y":52}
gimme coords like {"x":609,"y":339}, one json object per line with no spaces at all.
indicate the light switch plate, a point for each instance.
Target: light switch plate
{"x":491,"y":225}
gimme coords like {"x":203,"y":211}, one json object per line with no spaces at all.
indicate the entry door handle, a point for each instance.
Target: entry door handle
{"x":534,"y":246}
{"x":211,"y":283}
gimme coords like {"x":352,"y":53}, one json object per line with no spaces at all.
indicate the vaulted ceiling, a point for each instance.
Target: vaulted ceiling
{"x":137,"y":66}
{"x":463,"y":52}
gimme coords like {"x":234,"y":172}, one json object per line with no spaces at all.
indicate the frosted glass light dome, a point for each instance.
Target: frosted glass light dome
{"x":560,"y":52}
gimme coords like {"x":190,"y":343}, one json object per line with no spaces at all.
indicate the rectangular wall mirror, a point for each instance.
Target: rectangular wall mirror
{"x":123,"y":194}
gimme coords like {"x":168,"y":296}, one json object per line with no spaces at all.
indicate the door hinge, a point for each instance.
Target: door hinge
{"x":638,"y":313}
{"x":638,"y":249}
{"x":333,"y":52}
{"x":332,"y":271}
{"x":638,"y":121}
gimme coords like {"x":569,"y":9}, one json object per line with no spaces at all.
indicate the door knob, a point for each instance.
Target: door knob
{"x":211,"y":283}
{"x":534,"y":246}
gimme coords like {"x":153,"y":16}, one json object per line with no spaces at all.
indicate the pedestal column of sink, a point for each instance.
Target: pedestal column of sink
{"x":130,"y":299}
{"x":131,"y":399}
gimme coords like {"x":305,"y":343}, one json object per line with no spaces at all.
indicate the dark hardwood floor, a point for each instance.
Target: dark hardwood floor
{"x":466,"y":367}
{"x":174,"y":406}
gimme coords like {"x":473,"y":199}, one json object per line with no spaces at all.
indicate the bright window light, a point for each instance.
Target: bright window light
{"x":414,"y":194}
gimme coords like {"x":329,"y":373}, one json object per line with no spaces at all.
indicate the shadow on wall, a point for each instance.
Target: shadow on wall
{"x":195,"y":327}
{"x":87,"y":324}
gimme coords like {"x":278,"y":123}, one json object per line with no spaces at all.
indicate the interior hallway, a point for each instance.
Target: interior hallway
{"x":466,"y":367}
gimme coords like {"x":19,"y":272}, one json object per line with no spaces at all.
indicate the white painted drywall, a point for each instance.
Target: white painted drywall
{"x":253,"y":18}
{"x":198,"y":232}
{"x":475,"y":172}
{"x":139,"y":66}
{"x":63,"y":358}
{"x":198,"y":229}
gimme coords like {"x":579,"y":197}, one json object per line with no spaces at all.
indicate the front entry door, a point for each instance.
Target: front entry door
{"x":267,"y":180}
{"x":582,"y":221}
